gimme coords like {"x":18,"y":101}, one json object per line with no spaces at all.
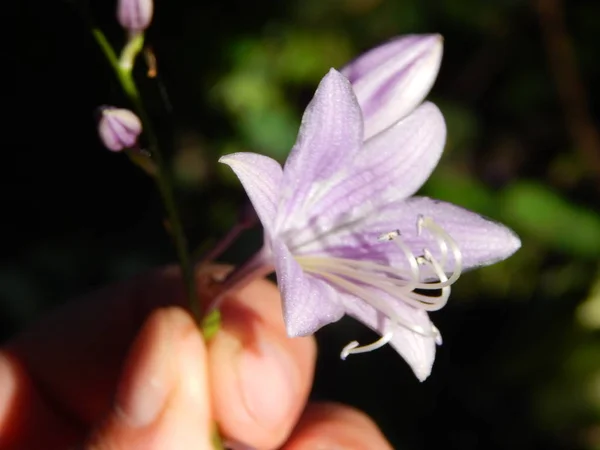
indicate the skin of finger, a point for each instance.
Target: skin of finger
{"x":22,"y":409}
{"x":163,"y":398}
{"x":260,"y":378}
{"x":78,"y":351}
{"x":331,"y":426}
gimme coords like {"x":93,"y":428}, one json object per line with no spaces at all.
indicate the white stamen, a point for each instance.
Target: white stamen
{"x":353,"y":347}
{"x":378,"y":303}
{"x":444,"y":240}
{"x":356,"y":277}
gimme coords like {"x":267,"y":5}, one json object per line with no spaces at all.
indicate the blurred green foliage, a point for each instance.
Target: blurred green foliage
{"x":520,"y":366}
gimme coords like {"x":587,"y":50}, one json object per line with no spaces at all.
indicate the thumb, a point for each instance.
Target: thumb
{"x":163,"y":399}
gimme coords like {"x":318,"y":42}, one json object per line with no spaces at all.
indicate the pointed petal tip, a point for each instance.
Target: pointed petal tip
{"x":507,"y":243}
{"x":434,"y":45}
{"x":436,"y":38}
{"x":226,"y":159}
{"x":261,"y":178}
{"x":514,"y":242}
{"x":422,"y":372}
{"x":293,"y":330}
{"x":392,"y":79}
{"x":334,"y":76}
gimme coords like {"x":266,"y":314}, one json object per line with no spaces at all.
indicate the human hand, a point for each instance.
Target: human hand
{"x":127,"y":368}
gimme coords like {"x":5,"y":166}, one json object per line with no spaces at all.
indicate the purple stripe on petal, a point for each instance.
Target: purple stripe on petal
{"x":330,"y":134}
{"x":392,"y":79}
{"x":308,"y":302}
{"x":391,"y":166}
{"x":364,"y":64}
{"x":481,"y":241}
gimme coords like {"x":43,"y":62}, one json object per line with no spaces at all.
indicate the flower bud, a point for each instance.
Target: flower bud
{"x":391,"y":80}
{"x":119,"y":128}
{"x":135,"y":15}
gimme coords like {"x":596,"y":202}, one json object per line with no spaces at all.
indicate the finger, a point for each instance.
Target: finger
{"x":162,"y":398}
{"x":329,"y":425}
{"x":260,"y":378}
{"x":23,"y":410}
{"x":78,"y":351}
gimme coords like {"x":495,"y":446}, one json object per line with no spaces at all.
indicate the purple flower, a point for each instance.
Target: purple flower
{"x":342,"y":229}
{"x":135,"y":15}
{"x":118,"y":128}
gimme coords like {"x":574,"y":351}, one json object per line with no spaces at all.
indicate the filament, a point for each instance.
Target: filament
{"x":359,"y":277}
{"x":354,"y":347}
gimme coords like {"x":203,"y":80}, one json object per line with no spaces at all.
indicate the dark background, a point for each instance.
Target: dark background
{"x":520,"y":364}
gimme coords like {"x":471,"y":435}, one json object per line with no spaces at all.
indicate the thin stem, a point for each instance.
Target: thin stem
{"x":177,"y":233}
{"x":220,"y":247}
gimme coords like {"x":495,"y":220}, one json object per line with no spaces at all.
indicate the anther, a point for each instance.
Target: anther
{"x":389,"y":236}
{"x":420,"y":220}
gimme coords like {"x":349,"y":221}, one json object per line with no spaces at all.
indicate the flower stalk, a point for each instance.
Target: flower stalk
{"x":125,"y":76}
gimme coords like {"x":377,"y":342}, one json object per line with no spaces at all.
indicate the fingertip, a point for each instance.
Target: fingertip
{"x":26,"y":421}
{"x":260,"y":377}
{"x":331,"y":425}
{"x":162,"y":400}
{"x":147,"y":377}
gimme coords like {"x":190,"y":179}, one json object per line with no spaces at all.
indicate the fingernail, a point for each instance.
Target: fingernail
{"x":192,"y":367}
{"x":145,"y":384}
{"x":269,"y":381}
{"x":235,"y":445}
{"x":192,"y":397}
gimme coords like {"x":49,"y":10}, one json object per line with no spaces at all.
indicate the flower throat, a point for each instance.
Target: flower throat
{"x":416,"y":286}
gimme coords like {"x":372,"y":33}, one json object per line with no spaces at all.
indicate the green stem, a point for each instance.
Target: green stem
{"x":123,"y":71}
{"x":124,"y":75}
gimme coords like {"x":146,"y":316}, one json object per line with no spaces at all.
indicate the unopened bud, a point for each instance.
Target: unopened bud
{"x":119,"y":128}
{"x":135,"y":15}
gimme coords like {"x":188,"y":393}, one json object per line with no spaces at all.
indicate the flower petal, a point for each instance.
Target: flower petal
{"x":391,"y":80}
{"x":261,"y":177}
{"x":330,"y":134}
{"x":417,"y":350}
{"x":481,"y":241}
{"x":308,"y":303}
{"x":391,"y":165}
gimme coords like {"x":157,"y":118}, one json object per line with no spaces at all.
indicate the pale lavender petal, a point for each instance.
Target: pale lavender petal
{"x":308,"y":303}
{"x":391,"y":80}
{"x":261,"y":177}
{"x":392,"y":165}
{"x":330,"y":134}
{"x":481,"y":241}
{"x":417,"y":350}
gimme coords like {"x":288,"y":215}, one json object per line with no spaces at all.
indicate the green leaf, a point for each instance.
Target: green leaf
{"x":534,"y":209}
{"x":462,"y":189}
